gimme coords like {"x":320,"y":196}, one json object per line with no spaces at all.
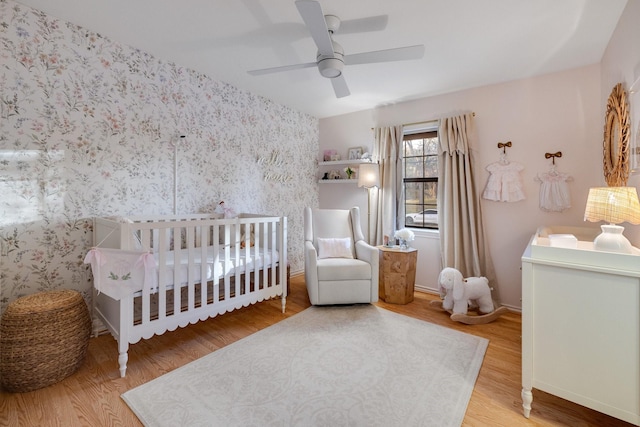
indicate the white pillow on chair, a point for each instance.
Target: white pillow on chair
{"x":334,"y":248}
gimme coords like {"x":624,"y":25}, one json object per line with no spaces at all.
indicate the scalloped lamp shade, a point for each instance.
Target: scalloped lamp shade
{"x":613,"y":205}
{"x":369,"y":175}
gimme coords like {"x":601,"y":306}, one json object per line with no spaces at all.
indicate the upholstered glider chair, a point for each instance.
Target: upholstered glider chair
{"x":340,"y":267}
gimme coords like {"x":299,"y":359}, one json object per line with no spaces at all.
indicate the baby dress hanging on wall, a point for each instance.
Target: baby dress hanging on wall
{"x":504,"y":183}
{"x":554,"y":191}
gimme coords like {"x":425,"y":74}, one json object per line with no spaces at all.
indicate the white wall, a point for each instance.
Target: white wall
{"x":341,"y":133}
{"x":621,"y":64}
{"x":556,"y":112}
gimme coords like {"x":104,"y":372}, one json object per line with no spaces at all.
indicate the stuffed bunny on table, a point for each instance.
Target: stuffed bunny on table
{"x":459,"y":292}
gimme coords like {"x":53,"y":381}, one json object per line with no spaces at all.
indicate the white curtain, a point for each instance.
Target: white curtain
{"x":387,"y":205}
{"x":463,"y":244}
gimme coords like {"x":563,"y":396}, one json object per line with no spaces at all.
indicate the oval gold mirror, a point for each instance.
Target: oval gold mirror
{"x":616,"y":139}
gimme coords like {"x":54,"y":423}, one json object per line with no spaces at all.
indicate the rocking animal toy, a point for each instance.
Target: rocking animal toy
{"x":460,"y":294}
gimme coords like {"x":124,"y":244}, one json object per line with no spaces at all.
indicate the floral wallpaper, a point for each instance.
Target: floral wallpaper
{"x":89,"y":127}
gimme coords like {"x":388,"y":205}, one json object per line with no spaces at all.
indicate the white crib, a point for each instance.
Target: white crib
{"x":241,"y":268}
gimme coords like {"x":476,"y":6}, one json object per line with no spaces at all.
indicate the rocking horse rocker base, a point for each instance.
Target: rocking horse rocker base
{"x":471,"y":319}
{"x":463,"y":294}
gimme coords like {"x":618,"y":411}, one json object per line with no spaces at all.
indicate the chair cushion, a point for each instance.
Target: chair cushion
{"x":343,"y":269}
{"x":334,"y":248}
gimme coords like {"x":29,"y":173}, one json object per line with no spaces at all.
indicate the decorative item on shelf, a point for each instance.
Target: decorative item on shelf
{"x":614,"y":205}
{"x":326,"y":175}
{"x":334,"y":174}
{"x":404,"y":235}
{"x":350,"y":172}
{"x":369,"y":177}
{"x":355,"y":153}
{"x":335,"y":157}
{"x":326,"y":155}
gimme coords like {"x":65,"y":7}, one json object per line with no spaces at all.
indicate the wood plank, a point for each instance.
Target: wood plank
{"x":92,"y":395}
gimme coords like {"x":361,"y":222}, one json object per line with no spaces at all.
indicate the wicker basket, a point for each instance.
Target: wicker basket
{"x":43,"y":339}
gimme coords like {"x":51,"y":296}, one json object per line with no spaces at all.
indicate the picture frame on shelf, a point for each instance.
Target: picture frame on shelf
{"x":328,"y":154}
{"x":335,"y":174}
{"x":355,"y":153}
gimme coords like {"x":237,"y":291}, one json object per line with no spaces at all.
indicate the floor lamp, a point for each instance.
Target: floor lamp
{"x":369,"y":177}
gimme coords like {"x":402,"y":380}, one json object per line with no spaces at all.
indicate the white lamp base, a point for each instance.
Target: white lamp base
{"x":612,"y":240}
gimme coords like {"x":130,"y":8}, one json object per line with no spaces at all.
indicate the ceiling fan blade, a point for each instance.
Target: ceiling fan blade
{"x":312,"y":15}
{"x":363,"y":25}
{"x":282,"y":68}
{"x":340,"y":86}
{"x":387,"y":55}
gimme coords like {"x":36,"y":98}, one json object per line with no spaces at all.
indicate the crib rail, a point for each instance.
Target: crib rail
{"x":205,"y":267}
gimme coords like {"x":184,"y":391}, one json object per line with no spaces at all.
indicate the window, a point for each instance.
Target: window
{"x":420,"y":179}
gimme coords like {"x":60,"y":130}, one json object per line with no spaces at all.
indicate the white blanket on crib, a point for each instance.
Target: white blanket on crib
{"x":215,"y":266}
{"x":118,"y":273}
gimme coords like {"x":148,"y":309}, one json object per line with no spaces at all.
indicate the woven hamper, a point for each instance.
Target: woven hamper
{"x":43,"y":339}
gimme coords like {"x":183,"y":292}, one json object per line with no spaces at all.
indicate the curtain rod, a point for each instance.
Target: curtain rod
{"x":427,"y":121}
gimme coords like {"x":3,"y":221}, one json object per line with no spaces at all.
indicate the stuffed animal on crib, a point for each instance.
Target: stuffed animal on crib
{"x":243,"y":238}
{"x":224,"y":211}
{"x":459,"y":293}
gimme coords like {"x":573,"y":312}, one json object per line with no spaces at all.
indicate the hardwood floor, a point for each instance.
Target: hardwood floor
{"x":91,"y":397}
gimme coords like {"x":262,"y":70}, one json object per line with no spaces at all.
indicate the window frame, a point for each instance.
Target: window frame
{"x":425,"y":133}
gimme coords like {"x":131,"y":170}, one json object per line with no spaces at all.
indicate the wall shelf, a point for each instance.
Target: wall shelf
{"x":343,"y":162}
{"x":337,"y":181}
{"x":339,"y":164}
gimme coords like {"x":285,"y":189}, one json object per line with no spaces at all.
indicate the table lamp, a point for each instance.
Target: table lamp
{"x":369,"y":177}
{"x":613,"y":205}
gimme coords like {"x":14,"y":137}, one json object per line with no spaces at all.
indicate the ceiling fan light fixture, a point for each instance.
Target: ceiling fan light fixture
{"x":330,"y":57}
{"x":330,"y":67}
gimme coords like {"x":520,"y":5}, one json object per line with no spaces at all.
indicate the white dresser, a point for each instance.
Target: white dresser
{"x":581,"y":327}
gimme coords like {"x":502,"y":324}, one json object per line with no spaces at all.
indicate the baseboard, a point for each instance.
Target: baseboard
{"x":427,"y":290}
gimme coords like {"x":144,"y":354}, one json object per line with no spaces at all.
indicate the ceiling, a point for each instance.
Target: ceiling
{"x":468,"y":43}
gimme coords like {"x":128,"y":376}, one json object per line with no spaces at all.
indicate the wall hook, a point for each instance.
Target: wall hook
{"x":553,"y":156}
{"x":504,"y":146}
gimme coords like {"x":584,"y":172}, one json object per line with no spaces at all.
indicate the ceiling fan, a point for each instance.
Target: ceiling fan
{"x":330,"y":58}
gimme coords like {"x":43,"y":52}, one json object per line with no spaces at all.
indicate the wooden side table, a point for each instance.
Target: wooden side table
{"x":397,"y":274}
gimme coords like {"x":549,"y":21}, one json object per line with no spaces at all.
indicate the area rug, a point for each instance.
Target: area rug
{"x":357,"y":365}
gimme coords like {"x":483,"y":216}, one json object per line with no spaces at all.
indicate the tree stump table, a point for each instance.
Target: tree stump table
{"x":397,"y":276}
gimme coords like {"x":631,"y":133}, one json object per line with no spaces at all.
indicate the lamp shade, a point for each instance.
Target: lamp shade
{"x":369,"y":175}
{"x":613,"y":205}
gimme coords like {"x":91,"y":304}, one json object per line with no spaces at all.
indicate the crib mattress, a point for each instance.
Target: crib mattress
{"x":216,"y":266}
